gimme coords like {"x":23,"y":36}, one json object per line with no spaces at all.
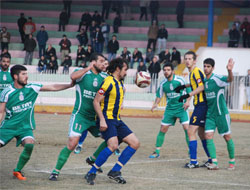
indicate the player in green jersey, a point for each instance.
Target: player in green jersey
{"x":88,"y":82}
{"x":174,"y":108}
{"x":217,"y":113}
{"x":18,"y":101}
{"x":5,"y":77}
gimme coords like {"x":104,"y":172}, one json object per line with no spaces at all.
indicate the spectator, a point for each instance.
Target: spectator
{"x":29,"y":28}
{"x":4,"y":38}
{"x":99,"y":40}
{"x":136,"y":57}
{"x":234,"y":37}
{"x":117,"y":23}
{"x":88,"y":53}
{"x":80,"y":55}
{"x":85,"y":21}
{"x":53,"y":65}
{"x":42,"y":63}
{"x":105,"y":28}
{"x":42,"y":38}
{"x":92,"y":33}
{"x":154,"y":69}
{"x":162,"y":38}
{"x":247,"y":85}
{"x":113,"y":47}
{"x":29,"y":45}
{"x":154,"y":8}
{"x":67,"y":7}
{"x":141,"y":67}
{"x":127,"y":14}
{"x":82,"y":37}
{"x":5,"y":52}
{"x":143,"y":7}
{"x":116,"y":6}
{"x":176,"y":57}
{"x":165,"y":57}
{"x":83,"y":64}
{"x":237,"y":24}
{"x":180,"y":10}
{"x":149,"y":56}
{"x":63,"y":20}
{"x":126,"y":54}
{"x":50,"y":51}
{"x":152,"y":35}
{"x":65,"y":47}
{"x":20,"y":22}
{"x":97,"y":18}
{"x":66,"y":64}
{"x":245,"y":29}
{"x":106,"y":4}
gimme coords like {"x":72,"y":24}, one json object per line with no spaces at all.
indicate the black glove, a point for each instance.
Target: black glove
{"x":179,"y":88}
{"x":184,"y":97}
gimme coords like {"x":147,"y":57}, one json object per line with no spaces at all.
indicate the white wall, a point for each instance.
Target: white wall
{"x":221,"y":56}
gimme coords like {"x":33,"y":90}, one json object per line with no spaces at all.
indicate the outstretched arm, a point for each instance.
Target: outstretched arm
{"x":78,"y":74}
{"x":230,"y":66}
{"x":57,"y":87}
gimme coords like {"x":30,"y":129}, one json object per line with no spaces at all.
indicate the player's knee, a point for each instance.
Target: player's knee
{"x":134,"y":143}
{"x":113,"y":146}
{"x":227,"y":137}
{"x":208,"y":135}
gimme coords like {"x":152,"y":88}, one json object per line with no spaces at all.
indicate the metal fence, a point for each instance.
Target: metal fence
{"x":135,"y":97}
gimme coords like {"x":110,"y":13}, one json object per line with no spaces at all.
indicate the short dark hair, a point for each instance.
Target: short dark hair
{"x":209,"y":61}
{"x":94,"y":56}
{"x":15,"y":70}
{"x":5,"y":55}
{"x":191,"y":53}
{"x":116,"y":63}
{"x":168,"y":65}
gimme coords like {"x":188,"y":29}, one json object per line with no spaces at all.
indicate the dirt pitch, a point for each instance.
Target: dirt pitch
{"x":166,"y":172}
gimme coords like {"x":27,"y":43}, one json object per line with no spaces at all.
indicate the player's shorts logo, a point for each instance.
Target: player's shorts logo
{"x":101,"y":91}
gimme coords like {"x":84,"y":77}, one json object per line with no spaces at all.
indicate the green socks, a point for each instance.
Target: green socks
{"x":230,"y":148}
{"x":99,"y":149}
{"x":62,"y":158}
{"x":211,"y":148}
{"x":186,"y":135}
{"x":24,"y":157}
{"x":159,"y":141}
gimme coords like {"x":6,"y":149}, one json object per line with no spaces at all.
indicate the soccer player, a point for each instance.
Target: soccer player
{"x":5,"y":77}
{"x":88,"y":82}
{"x":217,"y":113}
{"x":174,"y":108}
{"x":197,"y":120}
{"x":107,"y":105}
{"x":18,"y":101}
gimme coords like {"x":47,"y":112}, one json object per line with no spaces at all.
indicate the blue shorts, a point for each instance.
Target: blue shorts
{"x":116,"y":128}
{"x":199,"y":115}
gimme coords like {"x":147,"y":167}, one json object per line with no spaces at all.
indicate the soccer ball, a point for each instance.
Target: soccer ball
{"x":143,"y":79}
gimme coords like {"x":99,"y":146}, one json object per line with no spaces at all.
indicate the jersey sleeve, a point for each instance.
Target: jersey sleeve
{"x":78,"y":80}
{"x":106,"y":87}
{"x":221,"y":81}
{"x":4,"y":96}
{"x":35,"y":87}
{"x":159,"y":92}
{"x":198,"y":76}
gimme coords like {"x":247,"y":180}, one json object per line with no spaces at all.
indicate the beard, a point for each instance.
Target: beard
{"x":4,"y":67}
{"x":21,"y":83}
{"x":169,"y":76}
{"x":97,"y":69}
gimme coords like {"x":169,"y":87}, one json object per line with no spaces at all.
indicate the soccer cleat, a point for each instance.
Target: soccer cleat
{"x":191,"y":165}
{"x":231,"y":167}
{"x":212,"y":166}
{"x":89,"y":161}
{"x":53,"y":177}
{"x":117,"y":152}
{"x":90,"y":178}
{"x":77,"y":150}
{"x":116,"y":176}
{"x":206,"y":164}
{"x":154,"y":155}
{"x":19,"y":175}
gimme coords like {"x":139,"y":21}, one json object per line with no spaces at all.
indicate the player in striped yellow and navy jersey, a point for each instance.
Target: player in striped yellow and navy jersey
{"x":197,"y":120}
{"x":108,"y":103}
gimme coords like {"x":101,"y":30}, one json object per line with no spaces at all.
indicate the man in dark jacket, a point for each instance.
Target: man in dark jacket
{"x":113,"y":47}
{"x":80,"y":54}
{"x":165,"y":57}
{"x":234,"y":37}
{"x":66,"y":64}
{"x":180,"y":9}
{"x":99,"y":40}
{"x":136,"y":57}
{"x":106,"y":4}
{"x":29,"y":45}
{"x":126,"y":54}
{"x":154,"y":69}
{"x":65,"y":47}
{"x":50,"y":51}
{"x":154,"y":8}
{"x":176,"y":57}
{"x":82,"y":37}
{"x":20,"y":22}
{"x":245,"y":29}
{"x":85,"y":21}
{"x":97,"y":18}
{"x":141,"y":67}
{"x":42,"y":63}
{"x":162,"y":38}
{"x":117,"y":23}
{"x":63,"y":20}
{"x":42,"y":38}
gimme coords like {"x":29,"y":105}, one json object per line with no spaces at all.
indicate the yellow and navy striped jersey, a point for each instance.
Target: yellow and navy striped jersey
{"x":113,"y":90}
{"x":196,"y":78}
